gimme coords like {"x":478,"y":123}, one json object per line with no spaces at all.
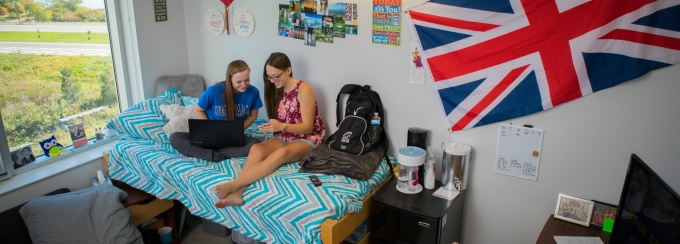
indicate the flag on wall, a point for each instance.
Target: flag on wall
{"x":227,"y":2}
{"x":494,"y":60}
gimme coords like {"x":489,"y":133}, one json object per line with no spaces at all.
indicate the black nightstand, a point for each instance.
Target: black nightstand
{"x":416,"y":218}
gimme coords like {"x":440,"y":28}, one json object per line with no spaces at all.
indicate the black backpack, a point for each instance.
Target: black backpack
{"x":352,"y":135}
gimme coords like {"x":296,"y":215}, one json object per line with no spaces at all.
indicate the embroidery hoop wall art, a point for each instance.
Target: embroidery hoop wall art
{"x":214,"y":21}
{"x":244,"y":22}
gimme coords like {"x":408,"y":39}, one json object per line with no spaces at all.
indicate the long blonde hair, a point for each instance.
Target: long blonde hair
{"x":234,"y":67}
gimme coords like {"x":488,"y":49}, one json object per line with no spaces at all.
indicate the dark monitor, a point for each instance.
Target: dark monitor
{"x":649,"y":210}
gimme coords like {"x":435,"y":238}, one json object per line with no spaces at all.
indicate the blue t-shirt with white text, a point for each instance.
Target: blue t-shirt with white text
{"x":212,"y":102}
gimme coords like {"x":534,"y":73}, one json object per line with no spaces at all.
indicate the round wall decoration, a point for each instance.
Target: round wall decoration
{"x":243,"y":22}
{"x":214,"y":21}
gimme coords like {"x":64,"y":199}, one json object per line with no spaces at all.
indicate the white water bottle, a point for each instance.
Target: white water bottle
{"x":429,"y":169}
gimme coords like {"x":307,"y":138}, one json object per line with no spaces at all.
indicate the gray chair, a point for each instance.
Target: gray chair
{"x":188,"y":84}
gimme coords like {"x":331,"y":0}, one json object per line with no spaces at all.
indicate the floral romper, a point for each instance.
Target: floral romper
{"x":289,"y":113}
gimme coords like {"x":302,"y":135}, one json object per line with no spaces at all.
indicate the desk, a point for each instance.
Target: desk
{"x":555,"y":227}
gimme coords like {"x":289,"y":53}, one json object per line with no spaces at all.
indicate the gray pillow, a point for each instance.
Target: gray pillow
{"x":90,"y":215}
{"x":189,"y":85}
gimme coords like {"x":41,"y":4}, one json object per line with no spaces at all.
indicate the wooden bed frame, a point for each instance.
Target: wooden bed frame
{"x":335,"y":231}
{"x":332,"y":231}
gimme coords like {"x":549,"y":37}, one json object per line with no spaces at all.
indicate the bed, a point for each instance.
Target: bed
{"x":284,"y":207}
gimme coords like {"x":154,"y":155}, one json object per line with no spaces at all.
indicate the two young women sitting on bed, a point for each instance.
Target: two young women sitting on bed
{"x":293,"y":117}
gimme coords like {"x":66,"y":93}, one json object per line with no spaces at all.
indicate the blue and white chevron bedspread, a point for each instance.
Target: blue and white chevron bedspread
{"x":284,"y":207}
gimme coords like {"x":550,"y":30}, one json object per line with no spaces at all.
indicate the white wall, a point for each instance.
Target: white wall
{"x":587,"y":142}
{"x":162,"y":45}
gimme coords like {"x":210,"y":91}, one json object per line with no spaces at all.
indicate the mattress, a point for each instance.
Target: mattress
{"x":284,"y":207}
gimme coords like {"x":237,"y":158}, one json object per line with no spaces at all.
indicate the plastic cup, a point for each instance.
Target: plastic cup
{"x":402,"y":179}
{"x":165,"y":234}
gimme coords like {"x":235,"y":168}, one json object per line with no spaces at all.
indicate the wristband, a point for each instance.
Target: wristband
{"x":285,"y":126}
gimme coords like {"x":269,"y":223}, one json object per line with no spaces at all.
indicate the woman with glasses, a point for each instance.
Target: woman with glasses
{"x":231,"y":99}
{"x":294,"y":119}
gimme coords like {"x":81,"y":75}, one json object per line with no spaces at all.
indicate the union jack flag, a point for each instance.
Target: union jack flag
{"x":494,"y":60}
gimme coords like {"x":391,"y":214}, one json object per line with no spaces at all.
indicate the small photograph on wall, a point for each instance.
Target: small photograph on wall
{"x":351,"y":17}
{"x":313,"y":20}
{"x":298,"y":33}
{"x":325,"y":33}
{"x":294,"y":6}
{"x":78,"y":137}
{"x":22,"y":156}
{"x":323,"y":7}
{"x":286,"y":30}
{"x":308,"y":6}
{"x":351,"y":29}
{"x":323,"y":36}
{"x":295,"y":18}
{"x":338,"y":26}
{"x":337,"y":10}
{"x":310,"y":37}
{"x":284,"y":14}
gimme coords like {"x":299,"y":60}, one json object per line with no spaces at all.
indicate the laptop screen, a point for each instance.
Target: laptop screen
{"x":216,"y":133}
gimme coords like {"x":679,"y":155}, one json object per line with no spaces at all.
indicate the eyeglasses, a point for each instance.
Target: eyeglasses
{"x":270,"y":78}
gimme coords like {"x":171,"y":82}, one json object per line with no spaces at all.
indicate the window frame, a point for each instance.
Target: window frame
{"x":127,"y":72}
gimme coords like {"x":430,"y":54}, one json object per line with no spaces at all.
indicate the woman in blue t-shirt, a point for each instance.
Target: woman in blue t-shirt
{"x":232,"y":99}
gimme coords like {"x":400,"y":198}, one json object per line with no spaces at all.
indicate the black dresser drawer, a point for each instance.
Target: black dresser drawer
{"x":397,"y":226}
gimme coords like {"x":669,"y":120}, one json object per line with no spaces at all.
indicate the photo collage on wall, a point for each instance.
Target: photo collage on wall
{"x":317,"y":20}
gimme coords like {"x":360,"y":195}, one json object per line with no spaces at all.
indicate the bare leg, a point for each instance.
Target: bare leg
{"x":258,"y":152}
{"x":256,"y":155}
{"x":292,"y":152}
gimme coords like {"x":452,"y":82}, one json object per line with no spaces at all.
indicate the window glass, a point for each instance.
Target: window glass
{"x":56,"y":75}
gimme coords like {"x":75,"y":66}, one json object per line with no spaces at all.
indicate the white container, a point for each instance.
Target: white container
{"x":409,"y":158}
{"x":429,"y":169}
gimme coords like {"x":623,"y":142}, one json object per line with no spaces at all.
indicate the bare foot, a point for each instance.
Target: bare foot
{"x":233,"y":199}
{"x":224,"y":189}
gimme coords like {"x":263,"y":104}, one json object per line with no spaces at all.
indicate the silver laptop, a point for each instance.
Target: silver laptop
{"x":216,"y":133}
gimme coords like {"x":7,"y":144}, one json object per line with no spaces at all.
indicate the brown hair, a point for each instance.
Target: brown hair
{"x":272,"y":96}
{"x":234,"y":67}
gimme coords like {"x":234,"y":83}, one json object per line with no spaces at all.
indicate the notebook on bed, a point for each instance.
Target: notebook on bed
{"x":216,"y":133}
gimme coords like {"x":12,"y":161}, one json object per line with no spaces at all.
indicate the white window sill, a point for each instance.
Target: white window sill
{"x":61,"y":164}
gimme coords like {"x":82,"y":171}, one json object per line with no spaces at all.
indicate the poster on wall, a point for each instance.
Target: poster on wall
{"x":386,"y":22}
{"x":416,"y":68}
{"x":160,"y":10}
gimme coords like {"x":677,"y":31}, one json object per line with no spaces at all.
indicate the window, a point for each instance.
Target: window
{"x":63,"y":70}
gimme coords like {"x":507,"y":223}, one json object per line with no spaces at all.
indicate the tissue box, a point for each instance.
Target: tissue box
{"x":359,"y":233}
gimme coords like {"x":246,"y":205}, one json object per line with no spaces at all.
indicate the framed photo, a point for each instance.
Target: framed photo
{"x":573,"y":209}
{"x":602,"y":211}
{"x":22,"y":156}
{"x":78,"y":137}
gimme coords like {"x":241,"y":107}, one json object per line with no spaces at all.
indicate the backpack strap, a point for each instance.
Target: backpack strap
{"x":346,"y":89}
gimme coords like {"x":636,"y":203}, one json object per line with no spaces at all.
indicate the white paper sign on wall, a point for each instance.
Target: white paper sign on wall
{"x":214,"y":21}
{"x":243,"y":22}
